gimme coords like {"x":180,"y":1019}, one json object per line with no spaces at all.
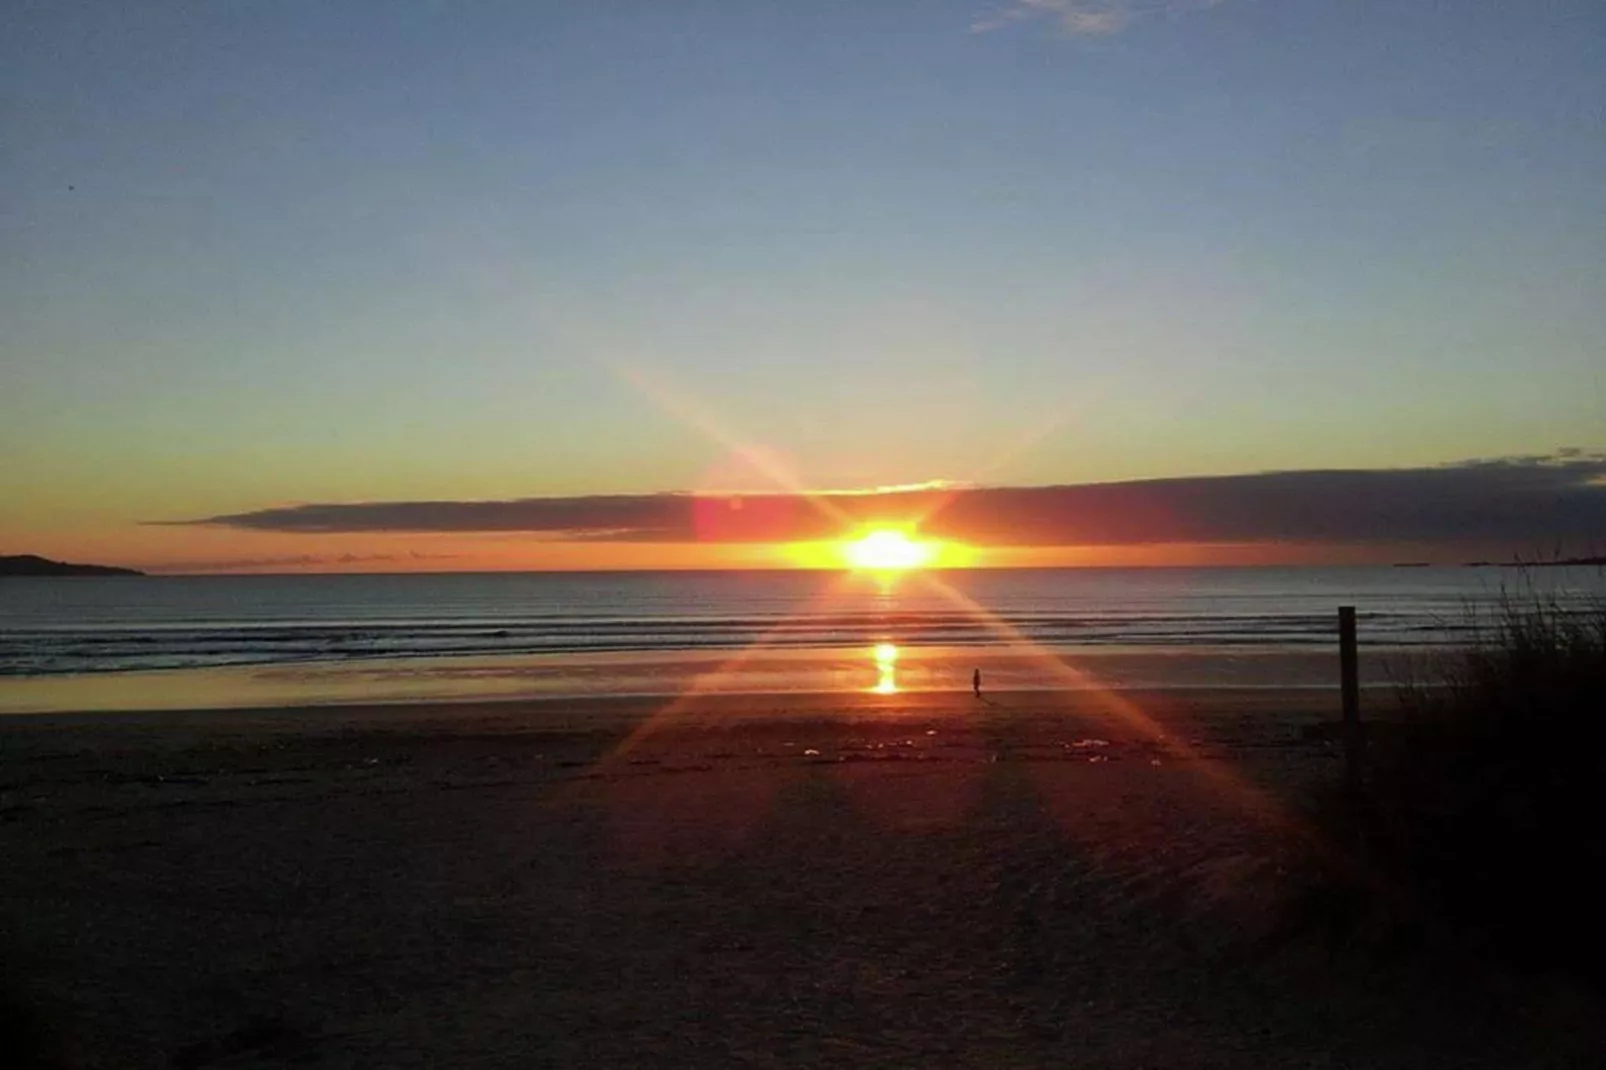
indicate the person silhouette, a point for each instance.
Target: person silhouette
{"x":975,"y":682}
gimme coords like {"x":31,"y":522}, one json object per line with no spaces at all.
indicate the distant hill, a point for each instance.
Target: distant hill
{"x":1561,"y":562}
{"x":34,"y":565}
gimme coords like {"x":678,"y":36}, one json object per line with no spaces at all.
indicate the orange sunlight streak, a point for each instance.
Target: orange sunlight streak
{"x":689,"y":412}
{"x":1251,"y":799}
{"x":646,"y":830}
{"x":701,"y":684}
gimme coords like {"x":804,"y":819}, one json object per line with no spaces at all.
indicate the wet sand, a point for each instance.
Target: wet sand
{"x":1041,"y":879}
{"x":757,"y":671}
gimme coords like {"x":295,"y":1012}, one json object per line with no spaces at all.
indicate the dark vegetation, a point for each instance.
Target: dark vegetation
{"x":1478,"y":829}
{"x":26,"y":1042}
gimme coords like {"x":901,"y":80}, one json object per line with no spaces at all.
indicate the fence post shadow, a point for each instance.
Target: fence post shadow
{"x":1349,"y":674}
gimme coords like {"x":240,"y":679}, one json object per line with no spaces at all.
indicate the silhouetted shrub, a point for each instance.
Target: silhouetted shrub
{"x":1479,"y":825}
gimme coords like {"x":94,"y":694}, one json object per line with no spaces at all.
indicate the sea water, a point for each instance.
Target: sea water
{"x":606,"y":630}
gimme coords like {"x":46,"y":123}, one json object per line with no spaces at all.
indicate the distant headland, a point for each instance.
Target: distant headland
{"x":34,"y":565}
{"x":1563,"y":562}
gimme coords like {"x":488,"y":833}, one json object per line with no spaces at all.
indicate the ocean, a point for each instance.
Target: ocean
{"x":351,"y":637}
{"x":83,"y":625}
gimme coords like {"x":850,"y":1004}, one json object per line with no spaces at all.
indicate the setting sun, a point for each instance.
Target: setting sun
{"x":886,"y":549}
{"x":881,"y":550}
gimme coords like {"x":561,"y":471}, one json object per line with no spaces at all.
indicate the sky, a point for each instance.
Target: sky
{"x":442,"y":276}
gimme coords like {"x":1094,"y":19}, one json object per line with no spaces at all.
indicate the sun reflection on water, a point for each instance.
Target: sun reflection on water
{"x":886,"y":663}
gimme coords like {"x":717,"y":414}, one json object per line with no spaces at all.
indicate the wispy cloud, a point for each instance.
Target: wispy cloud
{"x":295,"y":561}
{"x":1088,"y":18}
{"x":1526,"y":503}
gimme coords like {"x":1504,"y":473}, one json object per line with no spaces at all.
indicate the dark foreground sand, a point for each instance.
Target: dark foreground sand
{"x":907,"y":880}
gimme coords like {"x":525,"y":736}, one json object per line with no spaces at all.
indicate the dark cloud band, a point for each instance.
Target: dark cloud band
{"x":1520,"y":500}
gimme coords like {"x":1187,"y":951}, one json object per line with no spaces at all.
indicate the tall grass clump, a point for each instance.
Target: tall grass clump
{"x":1480,"y":826}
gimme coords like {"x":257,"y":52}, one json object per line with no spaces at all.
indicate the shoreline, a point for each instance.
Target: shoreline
{"x":753,"y":672}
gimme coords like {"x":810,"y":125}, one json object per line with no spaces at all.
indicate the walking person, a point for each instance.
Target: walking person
{"x":975,"y":682}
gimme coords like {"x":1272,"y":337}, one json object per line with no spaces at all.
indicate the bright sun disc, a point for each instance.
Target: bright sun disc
{"x":887,"y":549}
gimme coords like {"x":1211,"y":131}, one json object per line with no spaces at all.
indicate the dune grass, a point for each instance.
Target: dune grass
{"x":1478,"y":828}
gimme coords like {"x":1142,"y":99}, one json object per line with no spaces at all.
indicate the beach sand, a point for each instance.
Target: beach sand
{"x":1081,"y":879}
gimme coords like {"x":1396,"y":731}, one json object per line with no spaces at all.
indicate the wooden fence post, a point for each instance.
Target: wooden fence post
{"x":1350,"y":677}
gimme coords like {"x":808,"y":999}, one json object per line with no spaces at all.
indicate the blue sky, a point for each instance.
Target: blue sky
{"x":260,"y":254}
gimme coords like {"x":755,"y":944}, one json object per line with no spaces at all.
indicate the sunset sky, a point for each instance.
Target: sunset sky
{"x":438,"y":285}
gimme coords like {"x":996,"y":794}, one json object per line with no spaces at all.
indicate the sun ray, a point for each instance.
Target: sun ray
{"x":1251,"y":799}
{"x":704,"y":683}
{"x":888,"y":554}
{"x":694,"y":415}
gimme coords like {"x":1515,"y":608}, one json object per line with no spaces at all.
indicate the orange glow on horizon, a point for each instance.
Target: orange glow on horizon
{"x":880,"y":549}
{"x":219,"y":550}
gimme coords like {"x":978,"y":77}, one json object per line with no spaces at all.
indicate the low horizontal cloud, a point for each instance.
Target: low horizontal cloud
{"x":1088,"y":18}
{"x":296,"y":561}
{"x":1521,"y":501}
